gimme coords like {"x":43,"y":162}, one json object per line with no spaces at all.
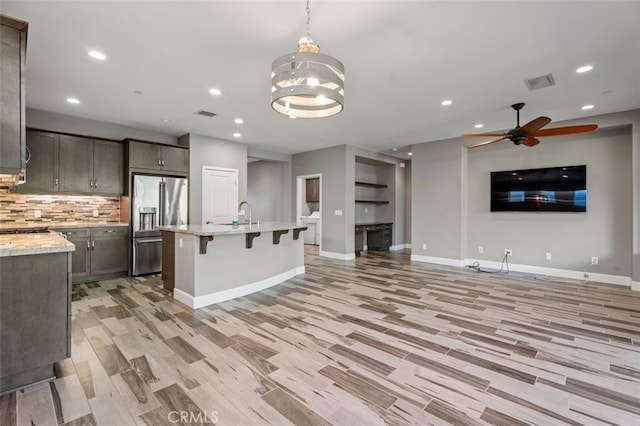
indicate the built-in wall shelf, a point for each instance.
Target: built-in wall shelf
{"x":371,"y":202}
{"x":371,"y":185}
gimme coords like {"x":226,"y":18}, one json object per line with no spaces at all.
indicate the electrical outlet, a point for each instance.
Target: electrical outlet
{"x":480,"y":249}
{"x":424,"y":246}
{"x":96,"y":213}
{"x":508,"y":252}
{"x":548,"y":256}
{"x":37,"y":213}
{"x":338,"y":212}
{"x":180,"y":242}
{"x":594,"y":260}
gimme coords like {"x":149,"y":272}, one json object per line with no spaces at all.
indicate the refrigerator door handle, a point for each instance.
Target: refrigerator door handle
{"x":163,"y":204}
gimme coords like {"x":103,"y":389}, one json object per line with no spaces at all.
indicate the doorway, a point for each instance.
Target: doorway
{"x":308,"y":209}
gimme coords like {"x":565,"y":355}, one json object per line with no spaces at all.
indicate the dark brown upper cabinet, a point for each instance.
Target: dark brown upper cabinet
{"x":313,"y":190}
{"x":158,"y":157}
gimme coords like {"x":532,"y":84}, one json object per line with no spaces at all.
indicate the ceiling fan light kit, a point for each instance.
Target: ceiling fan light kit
{"x":307,"y":83}
{"x":529,"y":133}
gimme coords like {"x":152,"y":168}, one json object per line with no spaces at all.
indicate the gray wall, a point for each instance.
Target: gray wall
{"x":54,"y":122}
{"x":331,"y":163}
{"x":207,"y":151}
{"x":268,"y":190}
{"x":407,"y":201}
{"x":450,"y":207}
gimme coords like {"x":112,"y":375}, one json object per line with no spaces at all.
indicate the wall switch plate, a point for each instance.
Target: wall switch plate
{"x":180,"y":242}
{"x":424,"y":246}
{"x":594,"y":260}
{"x":549,"y":256}
{"x":37,"y":213}
{"x":508,"y":252}
{"x":96,"y":213}
{"x":338,"y":212}
{"x":402,"y":165}
{"x":480,"y":249}
{"x":366,"y":210}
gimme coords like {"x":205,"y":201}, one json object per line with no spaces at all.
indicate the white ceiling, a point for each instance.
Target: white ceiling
{"x":402,"y":58}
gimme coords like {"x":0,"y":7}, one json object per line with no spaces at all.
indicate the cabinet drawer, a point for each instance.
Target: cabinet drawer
{"x":109,"y":231}
{"x":74,"y":232}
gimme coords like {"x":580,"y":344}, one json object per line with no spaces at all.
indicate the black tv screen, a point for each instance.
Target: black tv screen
{"x":550,"y":189}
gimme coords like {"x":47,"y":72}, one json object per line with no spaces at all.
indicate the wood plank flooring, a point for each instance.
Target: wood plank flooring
{"x":378,"y":340}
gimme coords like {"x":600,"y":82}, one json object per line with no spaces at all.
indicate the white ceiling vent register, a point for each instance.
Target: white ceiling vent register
{"x":205,"y":113}
{"x":540,"y":82}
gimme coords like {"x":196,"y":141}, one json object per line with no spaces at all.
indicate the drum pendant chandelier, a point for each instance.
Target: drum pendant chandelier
{"x":306,"y":83}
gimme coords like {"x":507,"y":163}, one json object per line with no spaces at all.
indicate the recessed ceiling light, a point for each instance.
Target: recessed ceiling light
{"x":73,"y":101}
{"x":97,"y":55}
{"x":215,"y":92}
{"x":586,"y":107}
{"x":585,"y":68}
{"x":238,"y":121}
{"x":165,"y":120}
{"x":479,"y":126}
{"x":236,"y":135}
{"x":409,"y":153}
{"x":446,"y":102}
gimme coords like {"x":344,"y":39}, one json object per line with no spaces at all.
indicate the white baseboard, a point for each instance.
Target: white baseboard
{"x":539,"y":270}
{"x":222,"y":296}
{"x":437,"y":260}
{"x":400,"y":247}
{"x":555,"y":272}
{"x":338,"y":256}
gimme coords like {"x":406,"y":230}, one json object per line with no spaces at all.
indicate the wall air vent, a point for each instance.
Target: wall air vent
{"x":540,"y":82}
{"x":205,"y":113}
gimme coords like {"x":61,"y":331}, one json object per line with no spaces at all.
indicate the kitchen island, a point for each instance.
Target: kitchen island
{"x":211,"y":263}
{"x":35,"y":306}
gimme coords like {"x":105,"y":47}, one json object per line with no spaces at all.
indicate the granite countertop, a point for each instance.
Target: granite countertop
{"x":215,"y":229}
{"x":59,"y":225}
{"x":39,"y":243}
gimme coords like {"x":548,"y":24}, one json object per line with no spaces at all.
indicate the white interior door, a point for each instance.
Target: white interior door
{"x":219,"y":195}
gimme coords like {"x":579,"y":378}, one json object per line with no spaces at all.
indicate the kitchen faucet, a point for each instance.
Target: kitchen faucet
{"x":248,"y":205}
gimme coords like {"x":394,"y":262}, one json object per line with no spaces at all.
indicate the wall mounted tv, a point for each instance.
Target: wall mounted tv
{"x":550,"y":189}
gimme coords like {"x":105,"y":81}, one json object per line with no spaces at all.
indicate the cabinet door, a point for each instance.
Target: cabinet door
{"x":313,"y":190}
{"x":143,"y":155}
{"x":81,"y":257}
{"x":109,"y":250}
{"x":42,"y":168}
{"x":174,"y":159}
{"x":11,"y":106}
{"x":108,"y":167}
{"x":76,"y":164}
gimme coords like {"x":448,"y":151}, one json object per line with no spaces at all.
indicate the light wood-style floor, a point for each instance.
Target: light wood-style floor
{"x":379,"y":340}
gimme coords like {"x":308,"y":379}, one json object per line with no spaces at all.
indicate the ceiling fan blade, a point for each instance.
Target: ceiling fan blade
{"x":530,"y":141}
{"x":488,"y":142}
{"x":566,"y":130}
{"x":534,"y":125}
{"x":485,"y":134}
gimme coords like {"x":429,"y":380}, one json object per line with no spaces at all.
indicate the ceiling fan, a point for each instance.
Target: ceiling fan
{"x":528,"y":134}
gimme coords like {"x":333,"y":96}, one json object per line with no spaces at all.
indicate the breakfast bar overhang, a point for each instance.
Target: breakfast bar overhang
{"x":212,"y":263}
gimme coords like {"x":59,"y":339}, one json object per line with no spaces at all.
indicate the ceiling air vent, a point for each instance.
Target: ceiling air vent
{"x":205,"y":113}
{"x":540,"y":82}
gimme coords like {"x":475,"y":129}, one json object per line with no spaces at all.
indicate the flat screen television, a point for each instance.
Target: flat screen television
{"x":549,"y":189}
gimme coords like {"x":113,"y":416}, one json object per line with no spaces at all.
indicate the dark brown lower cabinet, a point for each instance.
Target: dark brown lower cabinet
{"x":168,"y":260}
{"x":378,"y":236}
{"x":35,"y":309}
{"x":101,"y":252}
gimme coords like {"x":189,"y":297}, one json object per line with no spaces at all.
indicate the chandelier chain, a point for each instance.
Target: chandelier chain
{"x":308,"y":18}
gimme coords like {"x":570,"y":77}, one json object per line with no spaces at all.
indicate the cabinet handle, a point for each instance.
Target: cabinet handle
{"x":95,"y":183}
{"x":93,"y":245}
{"x":87,"y":245}
{"x":55,"y":181}
{"x":162,"y":161}
{"x":110,"y":231}
{"x":90,"y":183}
{"x":159,"y":162}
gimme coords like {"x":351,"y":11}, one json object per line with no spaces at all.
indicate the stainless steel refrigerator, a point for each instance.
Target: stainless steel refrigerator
{"x":156,"y":201}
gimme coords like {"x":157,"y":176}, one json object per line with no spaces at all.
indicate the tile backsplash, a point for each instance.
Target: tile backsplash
{"x":36,"y":209}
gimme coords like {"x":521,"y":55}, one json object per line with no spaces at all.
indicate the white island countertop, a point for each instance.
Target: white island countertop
{"x":219,"y":229}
